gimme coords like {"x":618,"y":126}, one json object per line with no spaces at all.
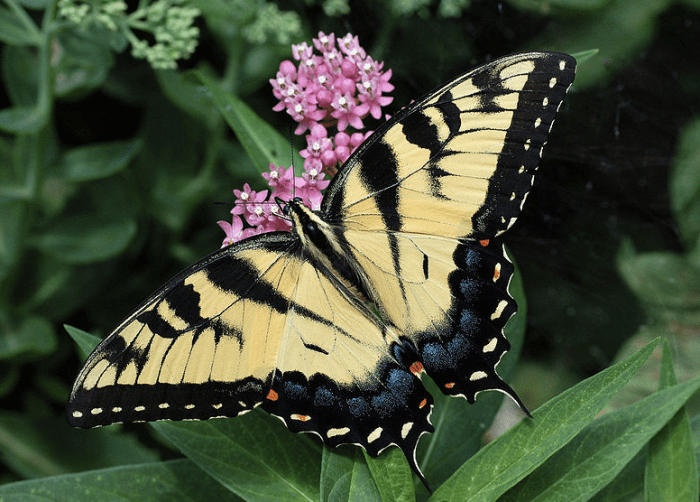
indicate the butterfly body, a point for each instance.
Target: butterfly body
{"x":411,"y":224}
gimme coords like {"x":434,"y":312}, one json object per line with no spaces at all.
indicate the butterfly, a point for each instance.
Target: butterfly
{"x":411,"y":222}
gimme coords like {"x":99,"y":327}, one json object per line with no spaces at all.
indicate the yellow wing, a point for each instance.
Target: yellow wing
{"x":257,"y":323}
{"x":461,"y":161}
{"x":418,"y":206}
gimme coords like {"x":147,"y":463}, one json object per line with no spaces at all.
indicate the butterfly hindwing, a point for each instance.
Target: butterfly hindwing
{"x":257,"y":323}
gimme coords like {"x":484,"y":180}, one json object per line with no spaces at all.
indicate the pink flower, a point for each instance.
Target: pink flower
{"x":372,"y":97}
{"x":313,"y":184}
{"x":242,"y":198}
{"x":336,"y":87}
{"x":351,"y":46}
{"x":319,"y":151}
{"x":347,"y":112}
{"x":282,"y":182}
{"x":324,"y":43}
{"x":233,"y":230}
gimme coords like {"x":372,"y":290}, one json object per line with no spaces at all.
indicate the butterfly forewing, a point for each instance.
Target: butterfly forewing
{"x":460,"y":162}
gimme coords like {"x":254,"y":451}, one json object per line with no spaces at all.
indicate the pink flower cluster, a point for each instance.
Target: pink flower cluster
{"x":337,"y":88}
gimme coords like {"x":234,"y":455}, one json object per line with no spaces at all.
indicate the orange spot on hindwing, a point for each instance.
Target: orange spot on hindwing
{"x":484,"y":242}
{"x":272,"y":395}
{"x":416,"y":368}
{"x":422,"y":404}
{"x":449,"y":385}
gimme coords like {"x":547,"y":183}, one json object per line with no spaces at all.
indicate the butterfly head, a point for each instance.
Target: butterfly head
{"x":287,"y":206}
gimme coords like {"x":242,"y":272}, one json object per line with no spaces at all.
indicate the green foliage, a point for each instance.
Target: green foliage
{"x":110,"y":164}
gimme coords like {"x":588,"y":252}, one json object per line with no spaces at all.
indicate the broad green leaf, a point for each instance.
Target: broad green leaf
{"x":86,"y":59}
{"x":185,"y":94}
{"x":12,"y":32}
{"x":503,"y":463}
{"x":671,"y":468}
{"x":345,"y":476}
{"x":100,"y":160}
{"x":36,"y":447}
{"x":21,"y":75}
{"x":86,"y":239}
{"x":173,"y":481}
{"x":628,"y":485}
{"x":85,"y":341}
{"x":263,"y":143}
{"x":254,"y":456}
{"x":684,"y":186}
{"x":32,"y":337}
{"x":600,"y":452}
{"x":23,"y":119}
{"x":667,"y":283}
{"x":392,"y":475}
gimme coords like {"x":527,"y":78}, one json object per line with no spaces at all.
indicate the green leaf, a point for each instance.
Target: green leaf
{"x":86,"y":59}
{"x":628,"y":485}
{"x":99,"y":160}
{"x":12,"y":32}
{"x":254,"y":456}
{"x":185,"y":94}
{"x":345,"y":476}
{"x":23,"y":119}
{"x":263,"y":143}
{"x":33,"y":337}
{"x":685,"y":184}
{"x":593,"y":459}
{"x":392,"y":475}
{"x":671,"y":468}
{"x":85,"y":341}
{"x":21,"y":75}
{"x":36,"y":447}
{"x":174,"y":481}
{"x":82,"y":238}
{"x":503,"y":463}
{"x":667,"y":283}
